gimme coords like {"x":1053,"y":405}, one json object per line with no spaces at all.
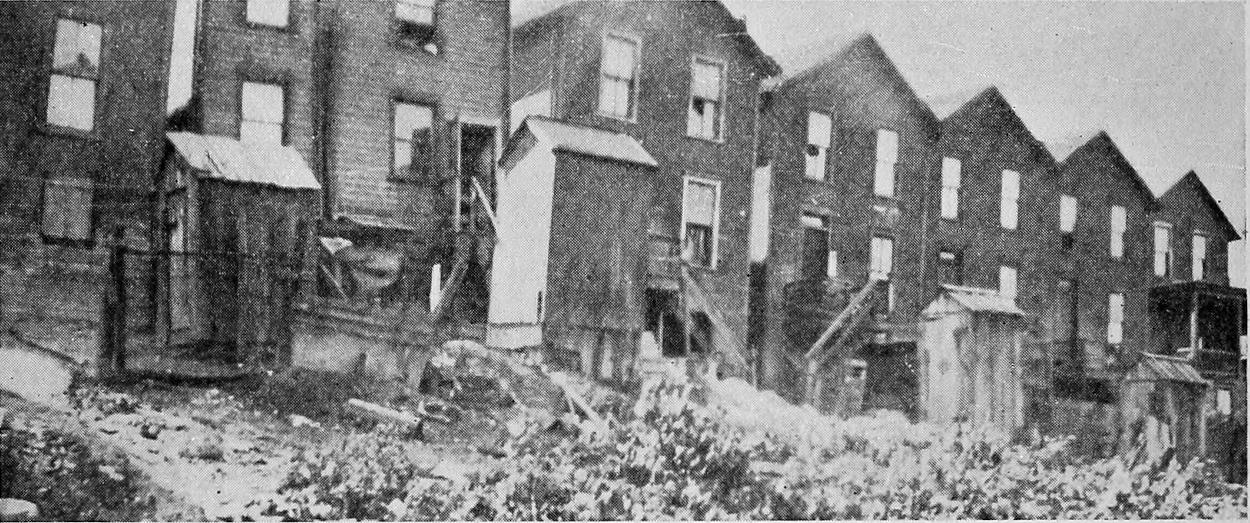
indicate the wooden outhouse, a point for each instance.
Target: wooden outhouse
{"x":969,"y":357}
{"x":1172,"y":392}
{"x":235,"y":223}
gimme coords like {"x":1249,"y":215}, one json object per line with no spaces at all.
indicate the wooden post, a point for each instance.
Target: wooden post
{"x":112,"y":358}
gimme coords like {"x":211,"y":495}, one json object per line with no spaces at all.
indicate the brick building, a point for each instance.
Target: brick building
{"x":397,"y":106}
{"x":681,"y":79}
{"x":82,"y":86}
{"x":852,"y":152}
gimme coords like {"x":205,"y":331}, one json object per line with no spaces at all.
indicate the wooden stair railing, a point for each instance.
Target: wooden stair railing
{"x":840,"y":333}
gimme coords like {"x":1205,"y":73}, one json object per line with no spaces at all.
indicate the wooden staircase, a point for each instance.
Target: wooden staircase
{"x":844,"y":331}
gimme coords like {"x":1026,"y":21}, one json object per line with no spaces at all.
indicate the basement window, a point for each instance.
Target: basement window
{"x":66,"y":213}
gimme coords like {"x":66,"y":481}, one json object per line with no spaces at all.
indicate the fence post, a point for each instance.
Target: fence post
{"x":112,"y":359}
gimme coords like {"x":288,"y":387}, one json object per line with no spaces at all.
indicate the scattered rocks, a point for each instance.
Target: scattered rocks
{"x":205,"y":446}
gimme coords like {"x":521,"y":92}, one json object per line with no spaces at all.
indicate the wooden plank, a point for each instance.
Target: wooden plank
{"x":481,"y":195}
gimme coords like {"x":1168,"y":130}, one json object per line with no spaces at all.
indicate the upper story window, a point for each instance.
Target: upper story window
{"x":1198,"y":266}
{"x":416,"y":21}
{"x":950,"y":188}
{"x":1007,"y":281}
{"x":819,"y":133}
{"x":263,"y":114}
{"x":1119,"y":224}
{"x":618,"y":67}
{"x":707,"y":94}
{"x":1067,"y":213}
{"x":1115,"y":318}
{"x":700,"y":212}
{"x":411,"y":144}
{"x":1163,"y":249}
{"x":75,"y":71}
{"x":1009,"y":200}
{"x":887,"y":156}
{"x":274,"y":13}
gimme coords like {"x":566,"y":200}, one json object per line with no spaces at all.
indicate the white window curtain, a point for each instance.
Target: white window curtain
{"x":274,"y":13}
{"x":882,"y":258}
{"x":1199,"y":258}
{"x":1115,"y":318}
{"x":887,"y":157}
{"x":263,"y":113}
{"x":1067,"y":213}
{"x":1119,"y":224}
{"x":1007,"y":281}
{"x":819,"y":134}
{"x":950,"y":187}
{"x":1009,"y":201}
{"x":616,"y":78}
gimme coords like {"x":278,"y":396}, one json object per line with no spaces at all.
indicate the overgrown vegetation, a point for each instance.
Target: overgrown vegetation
{"x":60,"y":475}
{"x":670,"y":458}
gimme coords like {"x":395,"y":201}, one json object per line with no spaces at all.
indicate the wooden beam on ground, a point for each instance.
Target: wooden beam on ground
{"x":576,"y":399}
{"x":381,"y":413}
{"x":453,"y":285}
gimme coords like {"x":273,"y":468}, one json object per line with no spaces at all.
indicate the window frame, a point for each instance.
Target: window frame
{"x":877,"y":163}
{"x":956,"y":189}
{"x":873,"y":257}
{"x":956,"y":262}
{"x":1015,"y":280}
{"x":53,"y":71}
{"x":716,"y":211}
{"x":720,"y":102}
{"x":394,"y":105}
{"x":1168,"y":252}
{"x":635,"y":84}
{"x":1068,"y":225}
{"x":406,"y":39}
{"x":288,"y":25}
{"x":281,"y":84}
{"x":822,"y":150}
{"x":1115,"y":318}
{"x":1015,"y":201}
{"x":50,"y":239}
{"x":1116,"y":247}
{"x":1194,"y":266}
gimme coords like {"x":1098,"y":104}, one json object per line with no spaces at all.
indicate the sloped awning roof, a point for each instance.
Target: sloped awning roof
{"x":580,"y":139}
{"x":1155,"y":367}
{"x":225,"y":158}
{"x":977,"y":299}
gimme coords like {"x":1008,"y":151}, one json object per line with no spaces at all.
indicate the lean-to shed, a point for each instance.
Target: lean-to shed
{"x":969,"y":357}
{"x":1172,"y":392}
{"x":234,"y":232}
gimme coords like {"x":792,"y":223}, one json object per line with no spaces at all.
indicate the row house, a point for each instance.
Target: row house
{"x":673,"y":85}
{"x":82,"y":86}
{"x":399,"y":109}
{"x":851,"y":149}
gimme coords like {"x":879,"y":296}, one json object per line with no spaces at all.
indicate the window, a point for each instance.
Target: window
{"x":1163,"y":249}
{"x":1198,"y":268}
{"x":416,"y":22}
{"x":1007,"y":281}
{"x":274,"y":13}
{"x":882,"y":258}
{"x":1115,"y":318}
{"x":815,"y":247}
{"x":263,"y":113}
{"x":1067,"y":213}
{"x":950,"y":188}
{"x":411,"y":145}
{"x":1119,"y":223}
{"x":617,"y":68}
{"x":66,"y":209}
{"x":1223,"y":402}
{"x":75,"y":71}
{"x":887,"y":156}
{"x":700,"y":211}
{"x":706,"y":99}
{"x":819,"y":132}
{"x":1009,"y":199}
{"x":951,"y":267}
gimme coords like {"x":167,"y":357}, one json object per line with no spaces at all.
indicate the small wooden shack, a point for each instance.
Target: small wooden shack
{"x":969,"y":358}
{"x":235,"y":224}
{"x":1172,"y":392}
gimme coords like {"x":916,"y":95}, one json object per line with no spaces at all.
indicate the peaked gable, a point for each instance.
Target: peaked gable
{"x":1192,"y":183}
{"x":1102,"y":146}
{"x":862,"y":47}
{"x":992,"y":102}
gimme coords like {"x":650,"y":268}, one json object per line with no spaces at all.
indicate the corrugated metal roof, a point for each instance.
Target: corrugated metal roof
{"x":226,"y":158}
{"x":982,"y":300}
{"x":562,"y":136}
{"x":1156,"y":367}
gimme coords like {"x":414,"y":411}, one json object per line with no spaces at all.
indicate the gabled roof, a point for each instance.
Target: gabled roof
{"x":579,"y":139}
{"x":1102,"y":145}
{"x":1155,"y":367}
{"x":863,"y":44}
{"x":991,"y":100}
{"x":1192,"y":182}
{"x":738,"y":28}
{"x":976,"y":299}
{"x":225,"y":158}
